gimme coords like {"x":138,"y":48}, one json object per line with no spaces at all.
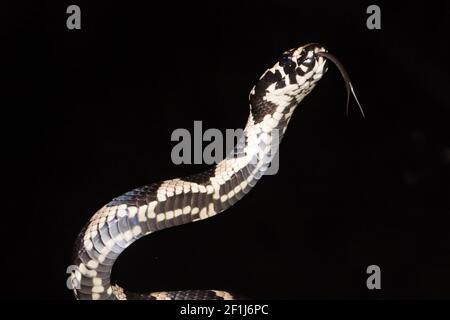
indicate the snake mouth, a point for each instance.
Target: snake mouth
{"x":315,"y":47}
{"x":345,"y":76}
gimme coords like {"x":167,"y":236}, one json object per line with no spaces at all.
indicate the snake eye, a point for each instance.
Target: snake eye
{"x":284,"y":60}
{"x":287,"y":64}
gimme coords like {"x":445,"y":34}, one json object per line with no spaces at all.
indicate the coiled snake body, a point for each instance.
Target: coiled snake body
{"x":178,"y":201}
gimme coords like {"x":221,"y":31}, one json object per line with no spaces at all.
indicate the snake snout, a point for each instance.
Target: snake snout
{"x":309,"y":57}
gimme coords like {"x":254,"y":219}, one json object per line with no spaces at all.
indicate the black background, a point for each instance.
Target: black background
{"x":92,"y":111}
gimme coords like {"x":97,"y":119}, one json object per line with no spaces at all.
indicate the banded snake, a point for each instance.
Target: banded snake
{"x":179,"y":201}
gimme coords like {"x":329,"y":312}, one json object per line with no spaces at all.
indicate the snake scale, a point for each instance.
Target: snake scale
{"x":179,"y":201}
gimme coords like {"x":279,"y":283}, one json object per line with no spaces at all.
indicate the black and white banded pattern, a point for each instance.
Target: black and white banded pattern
{"x":182,"y":200}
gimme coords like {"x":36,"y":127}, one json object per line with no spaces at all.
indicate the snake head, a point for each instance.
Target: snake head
{"x":293,"y":76}
{"x":297,"y":66}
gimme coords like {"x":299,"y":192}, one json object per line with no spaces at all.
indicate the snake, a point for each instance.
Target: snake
{"x":156,"y":206}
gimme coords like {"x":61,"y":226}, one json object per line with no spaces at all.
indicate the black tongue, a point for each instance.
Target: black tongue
{"x":346,"y":77}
